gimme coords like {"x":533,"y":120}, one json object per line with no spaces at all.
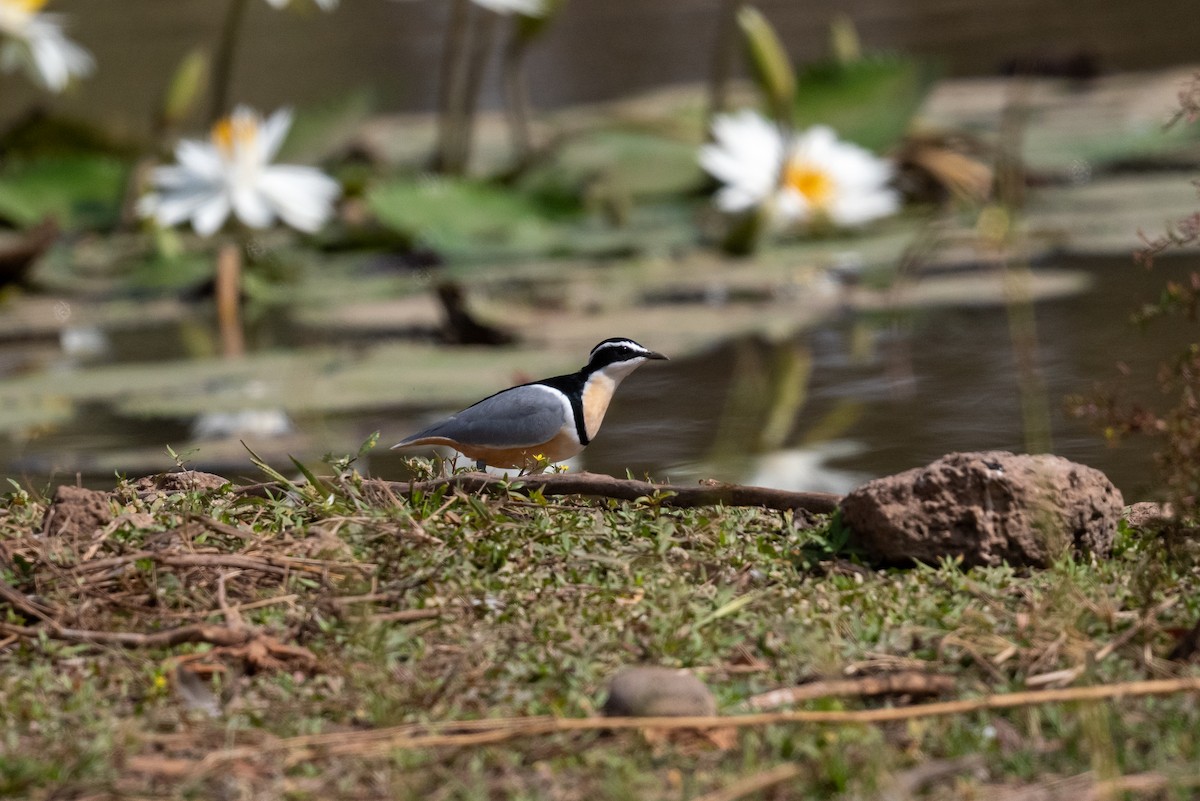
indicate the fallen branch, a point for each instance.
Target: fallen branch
{"x":476,"y":732}
{"x":907,"y":683}
{"x":24,"y":604}
{"x":275,"y":565}
{"x":753,"y":784}
{"x":259,"y":649}
{"x":625,"y":489}
{"x":199,"y":632}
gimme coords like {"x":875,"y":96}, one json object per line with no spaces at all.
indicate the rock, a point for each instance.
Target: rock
{"x":658,"y":691}
{"x":75,"y":512}
{"x":987,"y":508}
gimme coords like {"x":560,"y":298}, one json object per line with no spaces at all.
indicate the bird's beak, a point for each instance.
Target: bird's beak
{"x":656,"y":355}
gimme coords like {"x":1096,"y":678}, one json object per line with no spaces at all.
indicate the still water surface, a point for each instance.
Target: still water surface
{"x":883,"y":393}
{"x":931,"y":383}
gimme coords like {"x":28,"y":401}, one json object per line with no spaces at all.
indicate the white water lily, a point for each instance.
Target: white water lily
{"x":527,"y":8}
{"x":324,"y":5}
{"x":35,"y":42}
{"x":809,"y":177}
{"x":232,"y":173}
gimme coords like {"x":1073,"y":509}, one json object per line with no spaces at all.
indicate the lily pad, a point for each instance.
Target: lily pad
{"x":79,"y":191}
{"x":627,"y":162}
{"x":320,"y":131}
{"x":464,"y":218}
{"x":870,"y":101}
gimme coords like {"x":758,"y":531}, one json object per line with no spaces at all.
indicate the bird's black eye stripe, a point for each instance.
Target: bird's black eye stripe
{"x":618,"y":349}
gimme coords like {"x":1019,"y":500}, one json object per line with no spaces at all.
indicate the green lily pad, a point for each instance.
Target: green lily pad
{"x":869,"y":102}
{"x":80,"y":191}
{"x":322,"y":130}
{"x":464,"y":219}
{"x":626,"y":165}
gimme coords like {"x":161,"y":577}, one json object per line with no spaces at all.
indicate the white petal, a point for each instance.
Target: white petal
{"x":252,"y":208}
{"x":201,"y":159}
{"x":859,"y":208}
{"x":789,"y":206}
{"x":302,"y":196}
{"x":733,"y":199}
{"x":529,"y":8}
{"x":51,"y":58}
{"x":211,"y":215}
{"x":746,"y":155}
{"x":272,"y":133}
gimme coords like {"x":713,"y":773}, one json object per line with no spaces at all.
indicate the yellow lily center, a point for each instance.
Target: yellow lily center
{"x":814,"y":184}
{"x":232,"y":131}
{"x":27,"y":6}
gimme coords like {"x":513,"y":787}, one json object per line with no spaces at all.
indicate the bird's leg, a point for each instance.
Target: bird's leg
{"x":480,"y":465}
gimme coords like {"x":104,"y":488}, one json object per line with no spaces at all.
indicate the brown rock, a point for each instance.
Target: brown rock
{"x":658,"y":691}
{"x":987,"y":508}
{"x":77,"y":512}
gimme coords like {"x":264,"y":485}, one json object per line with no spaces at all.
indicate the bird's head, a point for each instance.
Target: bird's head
{"x":618,"y":357}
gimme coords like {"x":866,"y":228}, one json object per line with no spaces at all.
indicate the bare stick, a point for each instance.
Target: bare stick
{"x":203,"y":632}
{"x":23,"y":603}
{"x":753,"y":784}
{"x":604,"y":486}
{"x":232,"y":616}
{"x":907,"y":683}
{"x":463,"y":733}
{"x":276,"y":565}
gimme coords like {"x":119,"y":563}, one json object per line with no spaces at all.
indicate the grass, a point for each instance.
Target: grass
{"x":532,"y":605}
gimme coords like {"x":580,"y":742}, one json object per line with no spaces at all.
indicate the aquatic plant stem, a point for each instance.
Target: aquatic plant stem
{"x":724,"y":53}
{"x":229,"y":300}
{"x":235,"y":16}
{"x":516,"y":100}
{"x":452,"y":81}
{"x":1002,"y":230}
{"x":485,"y":31}
{"x":468,"y":43}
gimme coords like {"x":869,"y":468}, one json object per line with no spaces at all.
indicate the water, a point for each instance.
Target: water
{"x":872,"y":395}
{"x":910,"y":389}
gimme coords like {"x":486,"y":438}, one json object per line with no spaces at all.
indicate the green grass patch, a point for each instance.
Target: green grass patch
{"x":446,"y":606}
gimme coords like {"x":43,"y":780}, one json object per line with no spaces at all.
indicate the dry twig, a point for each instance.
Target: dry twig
{"x":604,"y":486}
{"x":907,"y":683}
{"x":753,"y":784}
{"x":468,"y":733}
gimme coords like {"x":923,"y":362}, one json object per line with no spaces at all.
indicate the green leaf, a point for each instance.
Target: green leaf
{"x":870,"y":101}
{"x":319,"y":131}
{"x":186,"y":87}
{"x":463,"y":218}
{"x":80,"y":191}
{"x":319,"y":486}
{"x":769,"y":63}
{"x":638,"y":164}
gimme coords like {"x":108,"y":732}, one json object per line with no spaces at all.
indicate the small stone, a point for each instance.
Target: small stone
{"x":658,"y":692}
{"x":985,"y":508}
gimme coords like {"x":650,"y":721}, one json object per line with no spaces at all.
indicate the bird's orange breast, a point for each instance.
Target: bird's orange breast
{"x":563,"y":446}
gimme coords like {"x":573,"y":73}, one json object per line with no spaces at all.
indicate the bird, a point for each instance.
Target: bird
{"x":542,"y":422}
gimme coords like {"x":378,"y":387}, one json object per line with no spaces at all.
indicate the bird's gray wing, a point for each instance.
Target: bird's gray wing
{"x":515,"y":418}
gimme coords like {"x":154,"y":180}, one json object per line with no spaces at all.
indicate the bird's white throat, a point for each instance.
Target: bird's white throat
{"x":598,"y":392}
